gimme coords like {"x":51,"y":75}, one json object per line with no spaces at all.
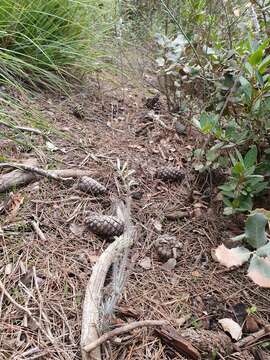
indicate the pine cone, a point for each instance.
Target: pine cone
{"x":180,"y":129}
{"x":170,"y":174}
{"x":78,"y":111}
{"x":153,"y":102}
{"x":168,"y":246}
{"x":106,"y":226}
{"x":90,"y":186}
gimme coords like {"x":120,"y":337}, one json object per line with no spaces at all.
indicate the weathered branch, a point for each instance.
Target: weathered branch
{"x":121,"y":330}
{"x":25,"y":129}
{"x":33,"y":169}
{"x":27,"y":174}
{"x":252,"y":338}
{"x":93,"y":296}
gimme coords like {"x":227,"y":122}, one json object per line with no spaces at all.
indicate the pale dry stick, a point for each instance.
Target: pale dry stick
{"x":18,"y":178}
{"x":25,"y":129}
{"x":34,"y":170}
{"x":38,"y":231}
{"x":22,"y":308}
{"x":42,"y":312}
{"x":123,"y":329}
{"x":63,"y":316}
{"x":253,"y":338}
{"x":93,"y":295}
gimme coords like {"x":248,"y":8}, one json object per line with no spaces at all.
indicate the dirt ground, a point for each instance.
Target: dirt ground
{"x":49,"y":276}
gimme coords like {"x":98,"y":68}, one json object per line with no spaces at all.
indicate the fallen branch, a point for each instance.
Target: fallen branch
{"x":253,"y":338}
{"x":25,"y":176}
{"x":121,"y":330}
{"x":25,"y":129}
{"x":39,"y":232}
{"x":93,"y":295}
{"x":33,"y":169}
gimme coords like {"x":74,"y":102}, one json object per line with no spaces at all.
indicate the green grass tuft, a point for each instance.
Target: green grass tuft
{"x":45,"y":43}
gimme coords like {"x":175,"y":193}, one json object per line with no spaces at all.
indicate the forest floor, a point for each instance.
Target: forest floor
{"x":49,"y":276}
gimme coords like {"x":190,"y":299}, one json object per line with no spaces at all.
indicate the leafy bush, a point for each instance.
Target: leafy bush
{"x":42,"y":41}
{"x":233,"y":78}
{"x":240,"y":121}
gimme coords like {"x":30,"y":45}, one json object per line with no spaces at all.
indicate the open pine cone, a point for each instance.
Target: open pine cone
{"x":91,"y":186}
{"x":105,"y":226}
{"x":168,"y":246}
{"x":170,"y":174}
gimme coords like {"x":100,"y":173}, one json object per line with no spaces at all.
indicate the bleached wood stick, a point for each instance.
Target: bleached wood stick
{"x":93,"y":294}
{"x":21,"y":177}
{"x":26,"y":129}
{"x":33,"y":169}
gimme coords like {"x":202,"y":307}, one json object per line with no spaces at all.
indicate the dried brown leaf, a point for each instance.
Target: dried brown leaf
{"x":232,"y":327}
{"x":231,"y":257}
{"x":13,"y":206}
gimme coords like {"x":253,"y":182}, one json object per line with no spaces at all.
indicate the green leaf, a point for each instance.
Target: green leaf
{"x":229,"y":186}
{"x":251,"y":157}
{"x":255,"y":230}
{"x":244,"y":203}
{"x":239,"y":237}
{"x":264,"y":250}
{"x":259,"y":271}
{"x":264,"y":65}
{"x":256,"y":57}
{"x":238,"y":169}
{"x":246,"y":87}
{"x":208,"y":122}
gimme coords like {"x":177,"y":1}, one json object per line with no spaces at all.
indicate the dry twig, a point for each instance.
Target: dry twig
{"x":253,"y":338}
{"x":121,"y":330}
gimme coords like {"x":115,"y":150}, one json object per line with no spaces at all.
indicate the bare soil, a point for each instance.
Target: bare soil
{"x":49,"y":276}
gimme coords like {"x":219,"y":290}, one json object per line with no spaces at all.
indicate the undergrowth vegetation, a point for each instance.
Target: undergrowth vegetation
{"x":48,"y":45}
{"x":212,"y":63}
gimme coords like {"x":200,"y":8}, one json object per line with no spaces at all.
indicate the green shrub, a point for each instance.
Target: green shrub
{"x":43,"y":42}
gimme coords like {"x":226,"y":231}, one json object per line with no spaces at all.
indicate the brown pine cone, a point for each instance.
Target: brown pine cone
{"x":168,"y":246}
{"x":106,"y":226}
{"x":170,"y":174}
{"x":78,"y":111}
{"x":91,"y":186}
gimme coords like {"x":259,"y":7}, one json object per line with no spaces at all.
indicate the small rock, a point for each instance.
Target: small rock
{"x":169,"y":265}
{"x":137,"y":195}
{"x":77,"y":229}
{"x":251,"y":324}
{"x":145,"y":263}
